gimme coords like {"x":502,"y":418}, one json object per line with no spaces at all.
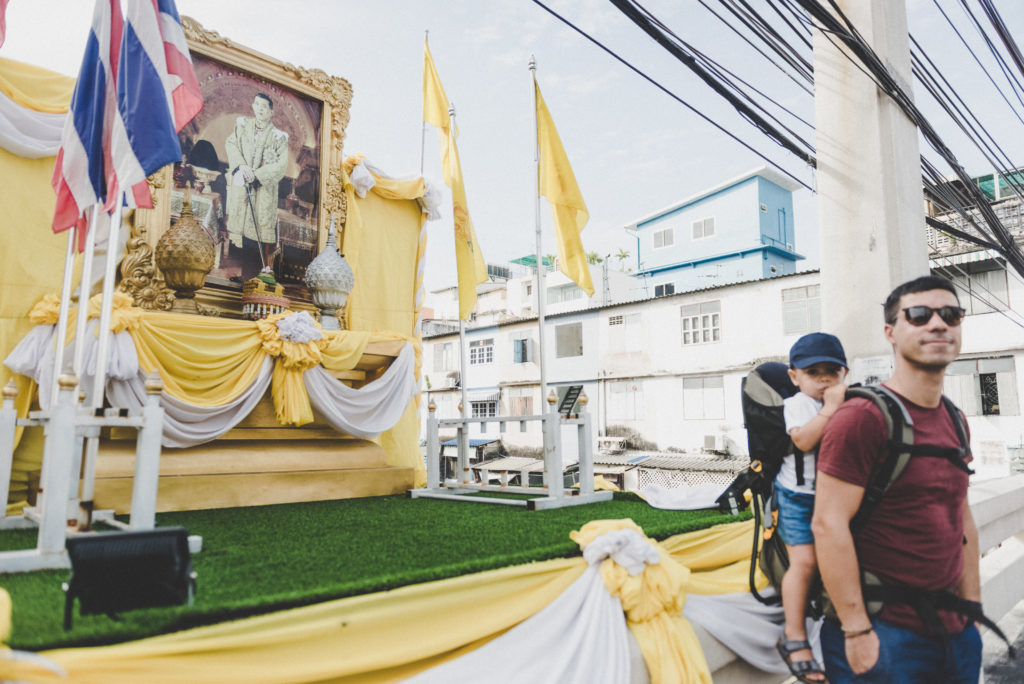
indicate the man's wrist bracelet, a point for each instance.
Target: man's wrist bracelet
{"x":853,"y":633}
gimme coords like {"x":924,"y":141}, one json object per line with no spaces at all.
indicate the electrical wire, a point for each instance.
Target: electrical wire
{"x":675,"y":97}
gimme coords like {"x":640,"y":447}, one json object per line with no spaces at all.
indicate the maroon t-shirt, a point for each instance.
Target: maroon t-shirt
{"x":915,"y":535}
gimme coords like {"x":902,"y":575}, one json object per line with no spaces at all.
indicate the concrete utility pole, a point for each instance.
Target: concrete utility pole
{"x":870,"y":199}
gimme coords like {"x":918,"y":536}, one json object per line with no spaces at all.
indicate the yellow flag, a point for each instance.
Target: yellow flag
{"x":558,"y":184}
{"x":469,"y":261}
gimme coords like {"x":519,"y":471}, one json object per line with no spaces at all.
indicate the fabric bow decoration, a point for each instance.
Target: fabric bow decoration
{"x":651,"y":585}
{"x":296,"y":340}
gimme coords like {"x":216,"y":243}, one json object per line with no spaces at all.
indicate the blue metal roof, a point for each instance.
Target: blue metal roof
{"x":472,"y":442}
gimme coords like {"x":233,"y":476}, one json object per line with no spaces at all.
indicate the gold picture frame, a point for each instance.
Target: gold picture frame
{"x":311,"y":111}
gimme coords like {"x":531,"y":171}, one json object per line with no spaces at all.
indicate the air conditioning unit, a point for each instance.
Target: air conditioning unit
{"x":453,"y":380}
{"x":709,"y":442}
{"x":715,"y":443}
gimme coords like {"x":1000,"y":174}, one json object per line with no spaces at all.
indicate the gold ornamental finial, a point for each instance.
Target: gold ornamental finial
{"x":582,"y":401}
{"x":68,"y":379}
{"x":431,"y":406}
{"x":10,"y":390}
{"x":552,"y":398}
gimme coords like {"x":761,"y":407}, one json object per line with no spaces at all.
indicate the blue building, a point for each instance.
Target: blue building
{"x":737,"y":231}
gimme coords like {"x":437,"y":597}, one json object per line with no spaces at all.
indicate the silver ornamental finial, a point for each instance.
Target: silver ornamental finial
{"x":330,"y":280}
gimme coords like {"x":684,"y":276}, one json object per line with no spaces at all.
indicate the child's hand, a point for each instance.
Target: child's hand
{"x":833,"y":397}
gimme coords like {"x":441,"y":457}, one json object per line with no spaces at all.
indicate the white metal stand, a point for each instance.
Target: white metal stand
{"x":64,"y":425}
{"x":553,"y":494}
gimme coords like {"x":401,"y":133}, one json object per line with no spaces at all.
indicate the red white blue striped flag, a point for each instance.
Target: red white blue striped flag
{"x":136,"y":90}
{"x":81,"y":174}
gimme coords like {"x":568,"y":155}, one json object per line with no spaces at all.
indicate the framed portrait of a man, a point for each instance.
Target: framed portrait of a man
{"x":261,"y":165}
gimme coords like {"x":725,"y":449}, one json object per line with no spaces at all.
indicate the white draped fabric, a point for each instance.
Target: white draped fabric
{"x":363,"y":180}
{"x":579,"y":637}
{"x":692,"y":498}
{"x":28,"y":133}
{"x":369,"y":410}
{"x":363,"y":412}
{"x":186,"y":424}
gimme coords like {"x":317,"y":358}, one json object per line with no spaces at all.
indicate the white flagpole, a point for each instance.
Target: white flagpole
{"x":423,"y":124}
{"x":62,"y":316}
{"x":84,"y":289}
{"x":540,"y":258}
{"x":100,"y":381}
{"x":462,"y":323}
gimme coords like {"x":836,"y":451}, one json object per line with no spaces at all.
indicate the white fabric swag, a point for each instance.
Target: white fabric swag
{"x":578,"y":638}
{"x":27,"y":133}
{"x":363,"y":412}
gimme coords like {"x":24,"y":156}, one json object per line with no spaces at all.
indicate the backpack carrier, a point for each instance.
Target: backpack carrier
{"x":763,"y":391}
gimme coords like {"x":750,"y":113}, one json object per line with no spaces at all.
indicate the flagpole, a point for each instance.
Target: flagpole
{"x":84,"y":290}
{"x":423,"y":124}
{"x":462,"y":323}
{"x":536,"y":219}
{"x":100,"y":380}
{"x":62,"y":316}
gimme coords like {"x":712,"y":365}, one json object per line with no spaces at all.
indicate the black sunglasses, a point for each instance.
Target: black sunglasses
{"x":920,"y":315}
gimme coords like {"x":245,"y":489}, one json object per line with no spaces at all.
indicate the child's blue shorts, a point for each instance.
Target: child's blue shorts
{"x":795,"y":511}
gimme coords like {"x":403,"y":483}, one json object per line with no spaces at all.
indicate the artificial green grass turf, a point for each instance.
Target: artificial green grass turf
{"x":264,"y":558}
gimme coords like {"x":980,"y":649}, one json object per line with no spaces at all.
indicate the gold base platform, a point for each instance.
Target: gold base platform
{"x":260,"y":461}
{"x":232,"y":473}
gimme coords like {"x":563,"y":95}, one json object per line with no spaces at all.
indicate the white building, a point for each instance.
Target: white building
{"x":670,"y":368}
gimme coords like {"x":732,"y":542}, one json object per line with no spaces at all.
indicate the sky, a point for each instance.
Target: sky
{"x":633,"y":148}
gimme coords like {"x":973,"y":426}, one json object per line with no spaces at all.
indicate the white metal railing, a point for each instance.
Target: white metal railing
{"x":67,"y":424}
{"x":553,"y":493}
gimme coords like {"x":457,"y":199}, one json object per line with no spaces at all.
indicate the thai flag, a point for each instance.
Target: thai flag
{"x":135,"y":91}
{"x":157,"y":94}
{"x":81,"y":174}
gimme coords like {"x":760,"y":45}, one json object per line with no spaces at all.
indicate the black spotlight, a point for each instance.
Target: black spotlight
{"x":118,"y":571}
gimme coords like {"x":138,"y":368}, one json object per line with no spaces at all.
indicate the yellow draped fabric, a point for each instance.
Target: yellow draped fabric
{"x":31,"y":256}
{"x":653,"y":602}
{"x":380,"y":242}
{"x":392,"y":635}
{"x":38,"y":89}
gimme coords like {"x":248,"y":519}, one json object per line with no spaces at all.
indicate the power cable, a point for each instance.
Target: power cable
{"x":675,"y":97}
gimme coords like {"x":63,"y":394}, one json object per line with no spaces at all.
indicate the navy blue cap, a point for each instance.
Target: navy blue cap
{"x":816,"y":348}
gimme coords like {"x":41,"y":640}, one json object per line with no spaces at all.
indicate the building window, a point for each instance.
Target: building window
{"x":664,"y":289}
{"x":664,"y":238}
{"x":983,"y":387}
{"x":568,"y":340}
{"x":564,"y":293}
{"x":520,"y":401}
{"x":483,"y":409}
{"x":626,"y":335}
{"x":522,"y":350}
{"x":801,"y":310}
{"x":444,"y":356}
{"x":481,"y":351}
{"x":704,"y":228}
{"x":701,"y":323}
{"x":704,"y":398}
{"x":980,"y":292}
{"x":529,"y":289}
{"x":625,"y":401}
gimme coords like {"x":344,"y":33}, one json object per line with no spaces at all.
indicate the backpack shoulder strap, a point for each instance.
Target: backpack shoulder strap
{"x":899,"y":441}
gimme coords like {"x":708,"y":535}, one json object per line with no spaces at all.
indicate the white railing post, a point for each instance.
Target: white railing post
{"x":57,"y":460}
{"x":147,"y":458}
{"x":553,"y":477}
{"x":433,"y":448}
{"x":8,"y":428}
{"x":585,"y":448}
{"x":462,"y":434}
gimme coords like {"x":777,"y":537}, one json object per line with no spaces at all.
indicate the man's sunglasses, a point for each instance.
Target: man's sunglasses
{"x":920,"y":315}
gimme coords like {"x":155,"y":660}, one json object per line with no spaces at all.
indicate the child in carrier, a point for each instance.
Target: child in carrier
{"x":817,"y":366}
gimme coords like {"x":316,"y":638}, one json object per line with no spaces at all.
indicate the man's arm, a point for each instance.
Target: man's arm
{"x":835,"y":504}
{"x":970,"y":578}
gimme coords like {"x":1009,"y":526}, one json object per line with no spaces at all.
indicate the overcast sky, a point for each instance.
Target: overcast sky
{"x":633,"y":148}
